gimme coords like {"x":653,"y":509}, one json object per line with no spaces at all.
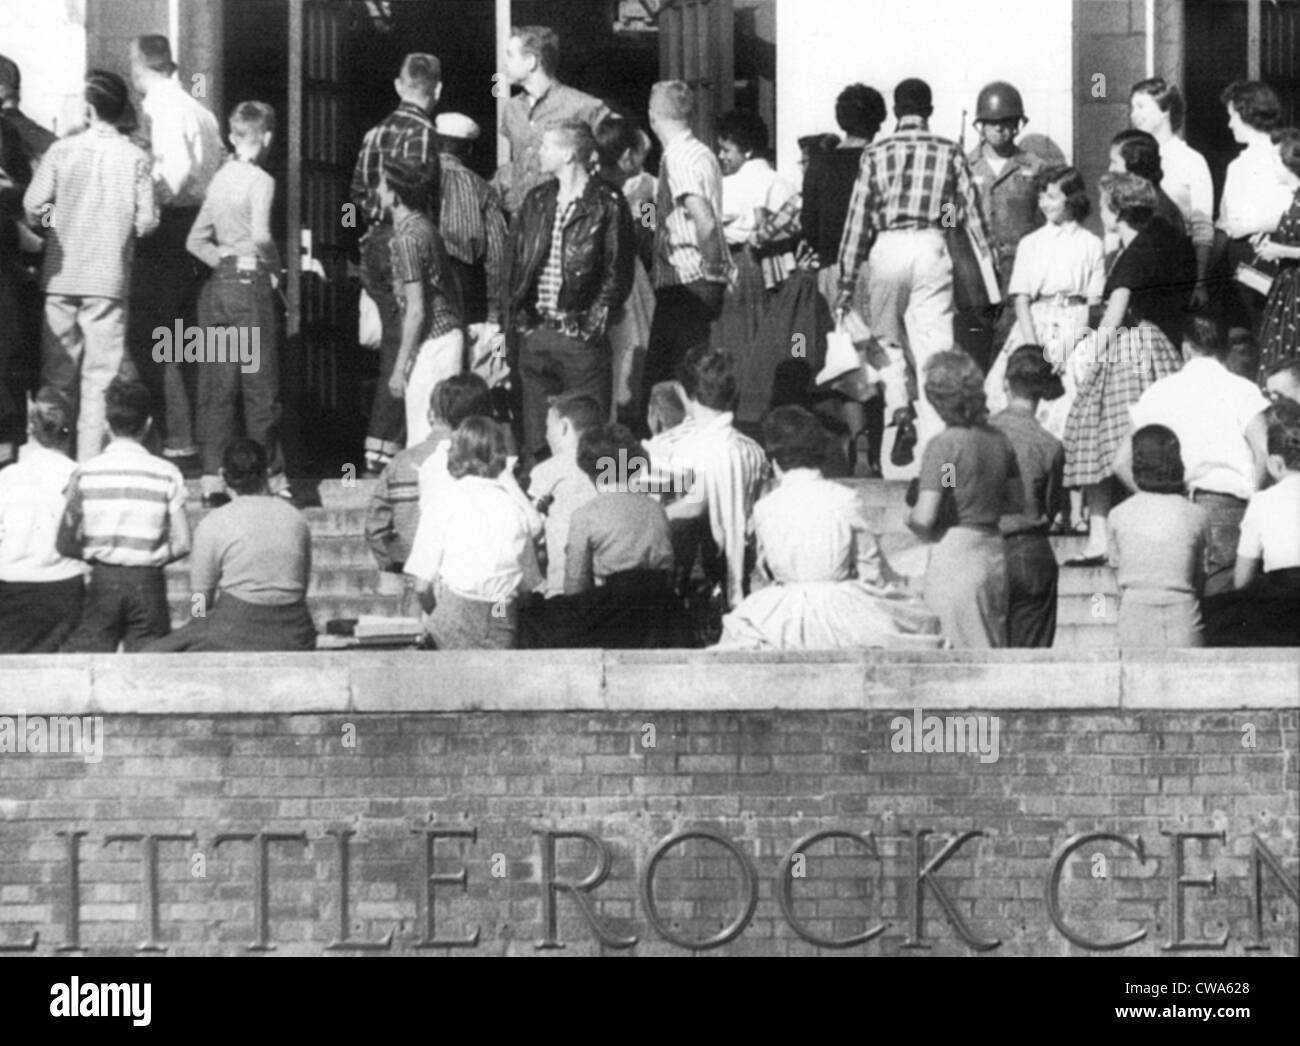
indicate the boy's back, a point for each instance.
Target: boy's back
{"x":94,"y":193}
{"x":227,"y":223}
{"x":1157,"y":545}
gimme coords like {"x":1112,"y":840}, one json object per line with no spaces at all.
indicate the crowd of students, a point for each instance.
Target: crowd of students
{"x":607,"y":412}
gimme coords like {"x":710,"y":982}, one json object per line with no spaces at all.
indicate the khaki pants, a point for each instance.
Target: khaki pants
{"x":83,"y":348}
{"x":909,"y":281}
{"x":438,"y":358}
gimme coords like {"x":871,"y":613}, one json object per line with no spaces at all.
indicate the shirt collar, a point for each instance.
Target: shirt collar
{"x":912,"y":123}
{"x":123,"y":445}
{"x":799,"y":477}
{"x":411,"y":107}
{"x":718,"y":421}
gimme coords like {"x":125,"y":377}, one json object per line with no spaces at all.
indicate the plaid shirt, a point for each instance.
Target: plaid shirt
{"x":418,"y":256}
{"x":551,"y":278}
{"x":407,"y":132}
{"x":911,"y":180}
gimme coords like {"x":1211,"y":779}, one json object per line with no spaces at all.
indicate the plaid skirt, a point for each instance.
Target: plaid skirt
{"x":1136,"y":358}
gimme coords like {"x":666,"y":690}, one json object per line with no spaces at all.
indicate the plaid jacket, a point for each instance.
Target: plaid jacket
{"x":911,"y":180}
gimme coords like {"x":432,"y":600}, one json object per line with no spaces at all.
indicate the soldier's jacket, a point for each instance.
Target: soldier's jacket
{"x":1009,"y":201}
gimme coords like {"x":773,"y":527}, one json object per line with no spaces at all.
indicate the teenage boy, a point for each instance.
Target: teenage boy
{"x":571,"y":266}
{"x":432,"y":342}
{"x":720,"y":470}
{"x":532,"y":60}
{"x":90,"y":197}
{"x":232,"y":236}
{"x":125,"y":517}
{"x":558,"y":486}
{"x":406,"y":133}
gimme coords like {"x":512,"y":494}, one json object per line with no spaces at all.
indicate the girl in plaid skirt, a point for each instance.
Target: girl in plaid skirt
{"x":1134,"y":346}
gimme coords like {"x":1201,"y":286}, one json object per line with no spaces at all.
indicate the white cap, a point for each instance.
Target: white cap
{"x":456,"y":125}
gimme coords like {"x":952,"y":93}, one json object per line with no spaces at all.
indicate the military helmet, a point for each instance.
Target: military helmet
{"x":999,"y":101}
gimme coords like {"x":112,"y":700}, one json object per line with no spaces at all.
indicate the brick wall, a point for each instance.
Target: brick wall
{"x":772,"y":750}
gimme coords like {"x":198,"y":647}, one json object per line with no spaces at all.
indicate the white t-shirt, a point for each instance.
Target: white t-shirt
{"x":1270,"y":529}
{"x":1208,"y":408}
{"x":754,"y":185}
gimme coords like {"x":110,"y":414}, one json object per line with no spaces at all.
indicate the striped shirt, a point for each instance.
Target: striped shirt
{"x":394,"y":512}
{"x":405,"y":133}
{"x":688,"y":168}
{"x":725,"y":467}
{"x":31,"y":505}
{"x":91,"y":196}
{"x":551,"y":278}
{"x":121,"y":502}
{"x":473,"y":226}
{"x":911,"y":180}
{"x":418,"y":256}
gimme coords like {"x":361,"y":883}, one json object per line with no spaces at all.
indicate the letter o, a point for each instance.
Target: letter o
{"x":728,"y":933}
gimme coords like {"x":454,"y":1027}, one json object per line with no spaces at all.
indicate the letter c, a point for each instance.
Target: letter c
{"x":1054,"y":888}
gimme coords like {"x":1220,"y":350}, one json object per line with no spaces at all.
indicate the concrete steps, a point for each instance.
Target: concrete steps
{"x":345,"y":583}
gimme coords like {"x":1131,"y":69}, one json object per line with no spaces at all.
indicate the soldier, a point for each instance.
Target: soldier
{"x":1004,"y":178}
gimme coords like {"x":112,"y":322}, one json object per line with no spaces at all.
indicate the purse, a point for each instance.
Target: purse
{"x":1256,"y":274}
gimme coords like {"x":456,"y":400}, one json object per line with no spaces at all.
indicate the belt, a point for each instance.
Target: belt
{"x":569,"y":324}
{"x":1062,"y":299}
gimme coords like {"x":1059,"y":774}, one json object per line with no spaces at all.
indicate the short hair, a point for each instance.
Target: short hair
{"x":817,"y":144}
{"x":126,"y":406}
{"x":673,"y":99}
{"x":1167,"y":96}
{"x":1031,"y":376}
{"x":708,"y":376}
{"x":248,"y":119}
{"x":243,"y":463}
{"x":1287,"y":140}
{"x":665,"y":399}
{"x":611,"y":443}
{"x":412,"y":182}
{"x":52,"y":415}
{"x":794,"y":438}
{"x":577,"y":135}
{"x":744,"y":129}
{"x":1157,"y":460}
{"x":424,"y":71}
{"x":1206,"y":335}
{"x":478,"y":448}
{"x":1256,"y":103}
{"x":1072,"y":186}
{"x":581,"y":411}
{"x":107,"y":94}
{"x":1133,"y":199}
{"x":459,"y":397}
{"x":156,"y":53}
{"x":860,"y":111}
{"x":912,"y":97}
{"x":1242,"y":357}
{"x":542,"y":43}
{"x":1141,"y":154}
{"x":614,"y":137}
{"x":954,"y":385}
{"x":1283,"y":419}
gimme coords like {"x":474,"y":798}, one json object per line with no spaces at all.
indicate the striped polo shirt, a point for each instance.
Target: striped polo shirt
{"x":124,"y":498}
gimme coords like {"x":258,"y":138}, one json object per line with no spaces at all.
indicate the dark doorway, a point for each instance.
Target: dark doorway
{"x":1216,"y":55}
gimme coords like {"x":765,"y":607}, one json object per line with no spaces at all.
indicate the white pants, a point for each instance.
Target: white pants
{"x":438,"y":358}
{"x":909,"y":282}
{"x":82,"y":350}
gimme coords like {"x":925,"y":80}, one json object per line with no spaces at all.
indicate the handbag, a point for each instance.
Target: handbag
{"x":1256,"y":274}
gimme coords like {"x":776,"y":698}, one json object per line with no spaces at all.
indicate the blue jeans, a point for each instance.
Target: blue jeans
{"x":125,"y":605}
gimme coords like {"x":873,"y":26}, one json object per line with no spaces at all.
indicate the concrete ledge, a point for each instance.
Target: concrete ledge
{"x":667,"y":680}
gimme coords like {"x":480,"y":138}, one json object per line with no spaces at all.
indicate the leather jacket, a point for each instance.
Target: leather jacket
{"x":598,"y":254}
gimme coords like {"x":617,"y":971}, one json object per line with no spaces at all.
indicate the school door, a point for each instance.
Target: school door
{"x":696,"y":45}
{"x":320,"y":304}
